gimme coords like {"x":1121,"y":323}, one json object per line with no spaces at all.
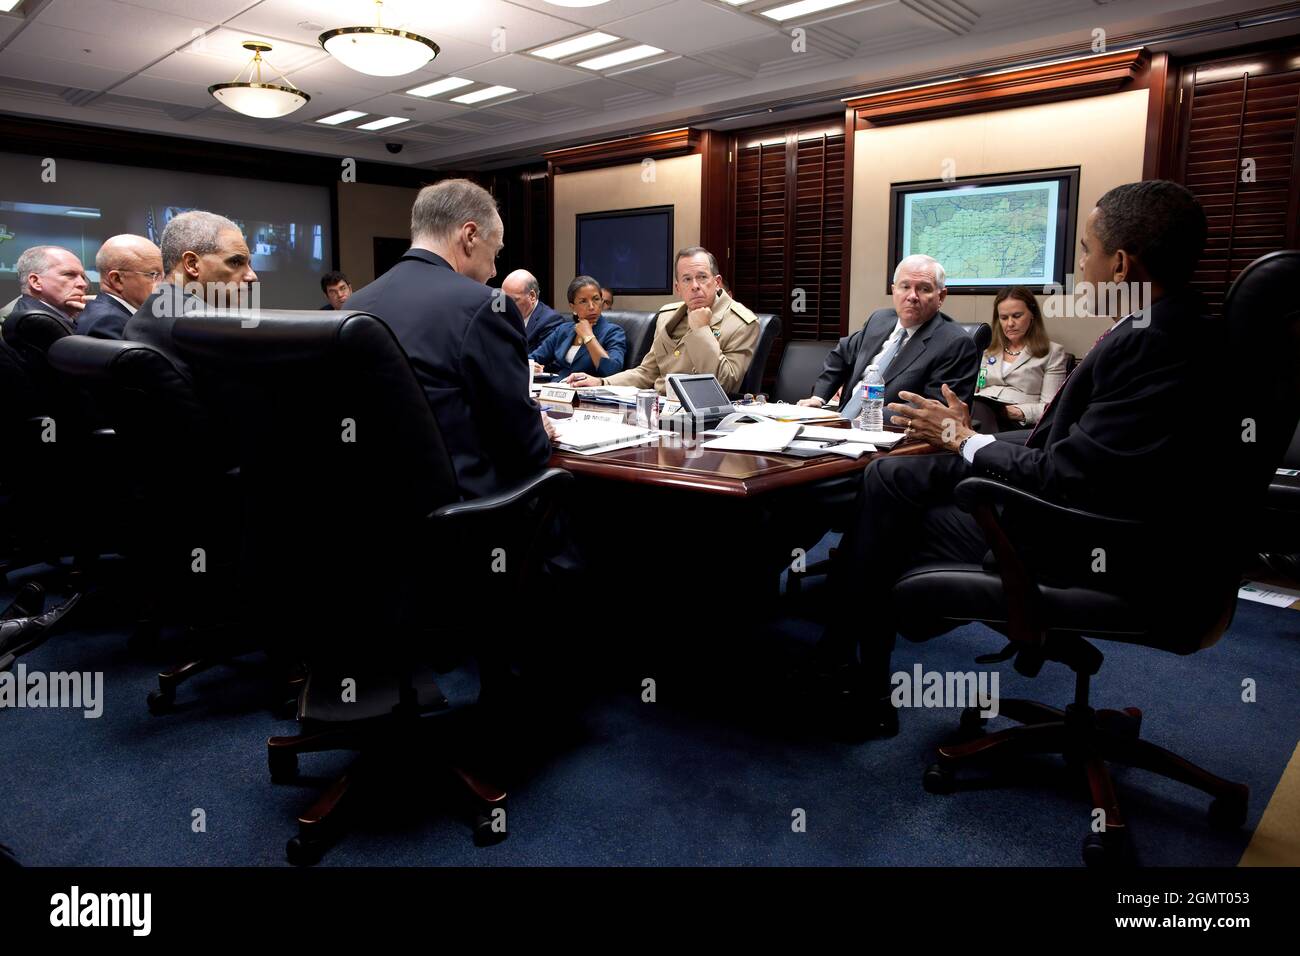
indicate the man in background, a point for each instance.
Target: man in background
{"x":129,"y":270}
{"x":51,"y":279}
{"x":607,"y":296}
{"x":540,"y":320}
{"x":337,"y":290}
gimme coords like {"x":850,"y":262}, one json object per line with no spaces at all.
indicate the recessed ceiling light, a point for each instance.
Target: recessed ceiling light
{"x":344,"y":117}
{"x":385,"y":122}
{"x":737,"y":3}
{"x":803,"y":7}
{"x":8,"y":5}
{"x":487,"y":93}
{"x":445,"y":85}
{"x":620,"y":56}
{"x":588,"y":41}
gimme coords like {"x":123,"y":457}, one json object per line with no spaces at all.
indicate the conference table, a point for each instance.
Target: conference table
{"x":683,"y":464}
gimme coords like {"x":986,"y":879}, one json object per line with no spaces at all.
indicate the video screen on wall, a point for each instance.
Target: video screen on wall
{"x":78,"y":205}
{"x":628,"y":250}
{"x":989,"y":231}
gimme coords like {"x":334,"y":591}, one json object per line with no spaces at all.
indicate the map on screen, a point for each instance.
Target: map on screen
{"x":986,"y":235}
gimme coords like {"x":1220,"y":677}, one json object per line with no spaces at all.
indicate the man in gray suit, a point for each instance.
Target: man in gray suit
{"x":917,"y":347}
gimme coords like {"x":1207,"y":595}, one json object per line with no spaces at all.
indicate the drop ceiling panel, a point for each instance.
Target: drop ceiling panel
{"x":70,"y":46}
{"x":871,"y":25}
{"x":414,"y":107}
{"x":601,"y":15}
{"x":209,"y":11}
{"x":8,"y":25}
{"x":136,"y":26}
{"x":223,"y":51}
{"x":525,"y":73}
{"x":688,"y":26}
{"x":147,"y":87}
{"x":478,"y":21}
{"x":591,"y":94}
{"x":42,"y":69}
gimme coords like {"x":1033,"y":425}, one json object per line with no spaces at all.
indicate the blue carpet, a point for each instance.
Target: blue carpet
{"x":712,"y":772}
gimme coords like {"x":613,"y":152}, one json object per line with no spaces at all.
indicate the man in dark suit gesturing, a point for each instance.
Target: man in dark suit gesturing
{"x":916,"y":347}
{"x":1117,"y":440}
{"x":465,"y":341}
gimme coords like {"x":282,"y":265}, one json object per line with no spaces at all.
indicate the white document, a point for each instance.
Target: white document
{"x":576,"y":434}
{"x":846,"y":449}
{"x":613,"y":391}
{"x":1277,"y":597}
{"x":761,"y":436}
{"x":789,"y":413}
{"x":826,"y":433}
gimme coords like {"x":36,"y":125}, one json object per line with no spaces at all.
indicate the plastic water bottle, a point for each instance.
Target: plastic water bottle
{"x":871,"y":416}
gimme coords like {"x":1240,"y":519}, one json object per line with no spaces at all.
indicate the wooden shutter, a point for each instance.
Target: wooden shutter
{"x":789,"y":231}
{"x":1232,"y":119}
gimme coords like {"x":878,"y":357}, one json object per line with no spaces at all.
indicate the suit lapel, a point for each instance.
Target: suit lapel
{"x":910,"y":352}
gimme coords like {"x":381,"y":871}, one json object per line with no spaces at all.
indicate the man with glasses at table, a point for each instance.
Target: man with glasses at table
{"x":129,"y":269}
{"x":707,"y":333}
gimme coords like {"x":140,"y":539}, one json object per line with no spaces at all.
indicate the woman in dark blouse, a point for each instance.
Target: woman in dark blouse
{"x":592,"y":344}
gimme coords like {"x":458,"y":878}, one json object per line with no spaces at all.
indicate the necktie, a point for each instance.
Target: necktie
{"x":854,"y":405}
{"x":1061,"y":391}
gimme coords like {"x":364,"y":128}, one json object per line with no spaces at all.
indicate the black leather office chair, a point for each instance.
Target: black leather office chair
{"x":356,"y":542}
{"x":51,"y":442}
{"x":179,"y":475}
{"x":639,"y":327}
{"x":1055,"y":618}
{"x":1278,"y":537}
{"x":801,"y":363}
{"x":769,"y":330}
{"x":981,"y":332}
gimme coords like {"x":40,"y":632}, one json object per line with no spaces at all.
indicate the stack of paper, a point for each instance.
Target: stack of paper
{"x":823,"y":433}
{"x":761,"y":436}
{"x":782,"y":412}
{"x":609,"y":394}
{"x":591,"y":436}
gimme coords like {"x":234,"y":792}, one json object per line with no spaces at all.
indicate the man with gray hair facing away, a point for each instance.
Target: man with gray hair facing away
{"x":916,"y":347}
{"x":465,"y":341}
{"x":201,"y":252}
{"x":129,"y":270}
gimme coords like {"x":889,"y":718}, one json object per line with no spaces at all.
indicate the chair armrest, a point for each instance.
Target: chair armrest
{"x":983,"y":497}
{"x":973,"y":492}
{"x":543,"y":484}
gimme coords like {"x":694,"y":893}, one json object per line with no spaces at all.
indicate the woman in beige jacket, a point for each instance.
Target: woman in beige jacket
{"x":1022,"y":370}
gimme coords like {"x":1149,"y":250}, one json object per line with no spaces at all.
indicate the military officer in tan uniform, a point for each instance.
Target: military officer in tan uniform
{"x":705,"y":333}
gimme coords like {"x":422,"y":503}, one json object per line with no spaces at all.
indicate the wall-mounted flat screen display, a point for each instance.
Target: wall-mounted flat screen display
{"x":989,"y":231}
{"x":628,"y":250}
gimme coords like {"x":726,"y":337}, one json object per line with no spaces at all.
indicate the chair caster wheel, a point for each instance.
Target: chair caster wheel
{"x":283,"y":765}
{"x":484,"y":833}
{"x":160,"y":702}
{"x":939,"y":779}
{"x":1104,"y":849}
{"x":1227,"y":813}
{"x":302,"y":852}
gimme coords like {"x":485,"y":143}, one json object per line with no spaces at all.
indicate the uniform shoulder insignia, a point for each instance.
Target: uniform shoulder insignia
{"x":670,"y":307}
{"x":745,"y":315}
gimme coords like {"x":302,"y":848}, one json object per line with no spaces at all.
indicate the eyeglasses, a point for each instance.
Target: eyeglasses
{"x":153,"y":276}
{"x":700,"y":278}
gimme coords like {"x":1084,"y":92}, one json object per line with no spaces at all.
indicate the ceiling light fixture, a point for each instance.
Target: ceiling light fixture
{"x":445,"y":85}
{"x":487,"y":93}
{"x":619,"y":57}
{"x":377,"y":50}
{"x":802,"y":8}
{"x":334,"y":119}
{"x":384,"y":123}
{"x":580,"y":44}
{"x":252,"y":97}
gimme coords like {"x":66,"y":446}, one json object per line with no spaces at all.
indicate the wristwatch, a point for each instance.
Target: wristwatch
{"x":586,"y":340}
{"x":962,"y":447}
